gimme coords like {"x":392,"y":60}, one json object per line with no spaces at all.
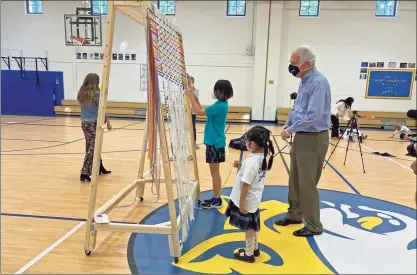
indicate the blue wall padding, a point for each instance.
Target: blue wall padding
{"x":21,"y":96}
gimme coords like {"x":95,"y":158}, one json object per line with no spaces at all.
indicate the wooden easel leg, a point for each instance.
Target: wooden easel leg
{"x":193,"y":143}
{"x":169,"y":187}
{"x":91,"y":233}
{"x":140,"y":190}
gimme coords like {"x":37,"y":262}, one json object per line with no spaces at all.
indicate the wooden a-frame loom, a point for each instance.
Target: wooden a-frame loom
{"x":171,"y":227}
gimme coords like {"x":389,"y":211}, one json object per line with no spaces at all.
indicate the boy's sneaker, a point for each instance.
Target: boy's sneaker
{"x":213,"y":203}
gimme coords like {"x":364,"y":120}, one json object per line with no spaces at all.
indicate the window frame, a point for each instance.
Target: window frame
{"x":235,"y":15}
{"x":175,"y":7}
{"x":92,"y":9}
{"x":309,"y":16}
{"x":387,"y":16}
{"x":27,"y":6}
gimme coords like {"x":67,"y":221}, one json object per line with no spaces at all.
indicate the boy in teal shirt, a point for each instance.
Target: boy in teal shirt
{"x":214,"y":136}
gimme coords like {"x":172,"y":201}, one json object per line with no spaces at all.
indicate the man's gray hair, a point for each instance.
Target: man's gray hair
{"x":307,"y":54}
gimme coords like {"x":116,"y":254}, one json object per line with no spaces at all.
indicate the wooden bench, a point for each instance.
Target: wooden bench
{"x":138,"y":110}
{"x":377,"y":122}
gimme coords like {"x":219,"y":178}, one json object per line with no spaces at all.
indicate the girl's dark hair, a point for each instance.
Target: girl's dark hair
{"x":261,"y":137}
{"x":348,"y":102}
{"x":223,"y":90}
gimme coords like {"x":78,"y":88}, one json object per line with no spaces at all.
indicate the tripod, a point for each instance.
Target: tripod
{"x":352,"y":124}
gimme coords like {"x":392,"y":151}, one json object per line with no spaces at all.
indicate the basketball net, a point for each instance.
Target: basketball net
{"x":78,"y":43}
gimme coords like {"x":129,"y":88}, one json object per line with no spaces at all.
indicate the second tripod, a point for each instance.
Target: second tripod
{"x":352,"y":125}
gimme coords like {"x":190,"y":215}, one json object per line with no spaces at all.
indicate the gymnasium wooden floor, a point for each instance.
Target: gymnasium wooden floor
{"x":42,"y":200}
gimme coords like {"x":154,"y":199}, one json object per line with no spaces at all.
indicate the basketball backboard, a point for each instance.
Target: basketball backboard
{"x":85,"y":26}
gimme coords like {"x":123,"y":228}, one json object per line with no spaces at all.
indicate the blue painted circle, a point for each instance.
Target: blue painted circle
{"x":149,"y":253}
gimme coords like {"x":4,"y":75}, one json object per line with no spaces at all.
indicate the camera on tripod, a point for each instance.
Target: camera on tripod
{"x":353,"y":134}
{"x":355,"y":113}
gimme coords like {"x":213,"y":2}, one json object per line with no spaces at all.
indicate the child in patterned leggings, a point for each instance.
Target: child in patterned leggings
{"x":89,"y":97}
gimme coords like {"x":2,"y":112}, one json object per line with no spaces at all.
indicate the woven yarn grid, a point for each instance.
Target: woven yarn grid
{"x":171,"y":81}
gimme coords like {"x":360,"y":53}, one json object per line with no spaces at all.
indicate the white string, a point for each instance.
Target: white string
{"x":170,"y":84}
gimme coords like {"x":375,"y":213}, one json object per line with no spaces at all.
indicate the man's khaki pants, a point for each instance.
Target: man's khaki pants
{"x":307,"y":157}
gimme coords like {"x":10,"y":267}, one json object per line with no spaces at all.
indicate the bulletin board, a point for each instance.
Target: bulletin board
{"x":390,"y":83}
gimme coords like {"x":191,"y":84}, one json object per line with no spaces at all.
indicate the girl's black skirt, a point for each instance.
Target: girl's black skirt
{"x":249,"y":221}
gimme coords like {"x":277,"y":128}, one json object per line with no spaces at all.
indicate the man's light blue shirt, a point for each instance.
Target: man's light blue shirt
{"x":311,"y":111}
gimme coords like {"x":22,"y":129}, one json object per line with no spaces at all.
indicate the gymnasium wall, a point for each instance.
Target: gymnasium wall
{"x":345,"y":34}
{"x":214,"y":44}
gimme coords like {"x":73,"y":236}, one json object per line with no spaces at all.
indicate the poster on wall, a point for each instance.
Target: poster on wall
{"x":127,"y":56}
{"x":380,"y":64}
{"x":390,"y":84}
{"x":392,"y":64}
{"x":120,"y":56}
{"x":133,"y":56}
{"x":372,"y":65}
{"x":364,"y":64}
{"x":362,"y":76}
{"x":411,"y":65}
{"x":143,"y":77}
{"x":364,"y":70}
{"x":84,"y":55}
{"x":114,"y":56}
{"x":403,"y":65}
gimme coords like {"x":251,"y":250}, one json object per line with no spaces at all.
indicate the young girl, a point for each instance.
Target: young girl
{"x":340,"y":110}
{"x":194,"y":116}
{"x":214,"y":136}
{"x":88,"y":97}
{"x":246,"y":195}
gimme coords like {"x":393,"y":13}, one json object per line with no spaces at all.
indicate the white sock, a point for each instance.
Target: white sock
{"x":250,"y":243}
{"x":256,"y":241}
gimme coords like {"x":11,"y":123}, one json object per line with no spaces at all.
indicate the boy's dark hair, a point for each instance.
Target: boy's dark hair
{"x":223,"y":90}
{"x":261,"y":136}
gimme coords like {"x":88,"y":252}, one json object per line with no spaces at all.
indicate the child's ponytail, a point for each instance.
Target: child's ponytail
{"x":264,"y":166}
{"x":261,"y":136}
{"x":272,"y":152}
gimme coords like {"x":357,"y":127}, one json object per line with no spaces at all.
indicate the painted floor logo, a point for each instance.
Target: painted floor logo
{"x":362,"y":235}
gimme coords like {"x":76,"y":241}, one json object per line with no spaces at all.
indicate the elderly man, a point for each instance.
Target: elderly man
{"x":309,"y":120}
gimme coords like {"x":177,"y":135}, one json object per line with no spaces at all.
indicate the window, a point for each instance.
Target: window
{"x":236,"y":8}
{"x":33,"y":7}
{"x":167,"y":7}
{"x":99,"y":7}
{"x":386,"y":8}
{"x":309,"y":8}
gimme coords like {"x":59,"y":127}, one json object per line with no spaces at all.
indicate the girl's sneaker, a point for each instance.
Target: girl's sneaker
{"x":213,"y":203}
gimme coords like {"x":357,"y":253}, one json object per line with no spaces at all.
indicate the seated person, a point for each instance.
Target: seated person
{"x":353,"y":134}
